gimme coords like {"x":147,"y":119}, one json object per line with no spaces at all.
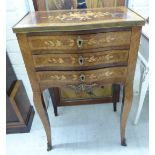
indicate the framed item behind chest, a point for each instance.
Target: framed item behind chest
{"x":46,"y":5}
{"x":70,"y":96}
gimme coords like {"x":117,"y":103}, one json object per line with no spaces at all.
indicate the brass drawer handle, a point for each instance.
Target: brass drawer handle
{"x":81,"y":60}
{"x":82,"y":77}
{"x":79,"y":42}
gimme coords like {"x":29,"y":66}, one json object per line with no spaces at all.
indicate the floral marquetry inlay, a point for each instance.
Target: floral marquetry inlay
{"x":78,"y":41}
{"x":59,"y":43}
{"x":78,"y":16}
{"x":96,"y":75}
{"x":78,"y":19}
{"x":72,"y":60}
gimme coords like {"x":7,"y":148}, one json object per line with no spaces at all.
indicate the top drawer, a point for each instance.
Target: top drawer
{"x":76,"y":42}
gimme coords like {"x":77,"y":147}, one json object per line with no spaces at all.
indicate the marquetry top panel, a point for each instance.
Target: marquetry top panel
{"x":69,"y":20}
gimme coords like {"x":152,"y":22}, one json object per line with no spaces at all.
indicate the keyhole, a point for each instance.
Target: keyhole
{"x":82,"y":77}
{"x":81,"y":60}
{"x":79,"y":42}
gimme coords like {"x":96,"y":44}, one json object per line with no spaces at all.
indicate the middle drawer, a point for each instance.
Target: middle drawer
{"x":80,"y":61}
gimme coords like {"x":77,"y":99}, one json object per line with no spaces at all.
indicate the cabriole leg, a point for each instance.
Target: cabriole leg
{"x":126,"y":106}
{"x":40,"y":107}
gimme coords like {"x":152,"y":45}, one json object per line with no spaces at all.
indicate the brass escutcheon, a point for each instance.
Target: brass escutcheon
{"x":82,"y":77}
{"x":79,"y":42}
{"x":81,"y":60}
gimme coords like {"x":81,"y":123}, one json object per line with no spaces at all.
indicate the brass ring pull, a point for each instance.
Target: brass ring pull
{"x":81,"y":60}
{"x":79,"y":42}
{"x":82,"y":78}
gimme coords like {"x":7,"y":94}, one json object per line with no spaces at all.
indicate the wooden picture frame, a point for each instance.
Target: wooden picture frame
{"x":40,"y":5}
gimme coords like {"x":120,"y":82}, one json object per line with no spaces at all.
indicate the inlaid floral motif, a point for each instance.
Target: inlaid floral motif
{"x":74,"y":77}
{"x":73,"y":60}
{"x":98,"y":75}
{"x":59,"y":43}
{"x":58,"y":77}
{"x":78,"y":16}
{"x":98,"y":42}
{"x":56,"y":61}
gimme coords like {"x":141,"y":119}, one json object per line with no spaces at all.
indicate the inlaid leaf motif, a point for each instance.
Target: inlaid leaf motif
{"x":75,"y":77}
{"x":57,"y":77}
{"x":78,"y":16}
{"x":109,"y":39}
{"x":91,"y":41}
{"x":108,"y":73}
{"x":63,"y":77}
{"x":49,"y":43}
{"x":91,"y":59}
{"x":60,"y":60}
{"x":58,"y":43}
{"x":54,"y":60}
{"x":73,"y":60}
{"x":71,"y":43}
{"x":108,"y":57}
{"x":92,"y":76}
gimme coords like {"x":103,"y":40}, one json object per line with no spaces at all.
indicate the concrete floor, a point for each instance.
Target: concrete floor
{"x":85,"y":130}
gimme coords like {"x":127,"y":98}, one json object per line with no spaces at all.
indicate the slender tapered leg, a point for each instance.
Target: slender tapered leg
{"x":126,"y":106}
{"x":40,"y":107}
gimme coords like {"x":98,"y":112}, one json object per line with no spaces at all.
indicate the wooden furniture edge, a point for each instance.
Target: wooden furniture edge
{"x":21,"y":126}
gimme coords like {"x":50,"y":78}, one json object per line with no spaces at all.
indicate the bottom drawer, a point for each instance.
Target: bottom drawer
{"x":61,"y":78}
{"x":96,"y":92}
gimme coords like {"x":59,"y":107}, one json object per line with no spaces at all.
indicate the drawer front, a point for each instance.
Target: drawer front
{"x":75,"y":61}
{"x":76,"y":42}
{"x":58,"y":78}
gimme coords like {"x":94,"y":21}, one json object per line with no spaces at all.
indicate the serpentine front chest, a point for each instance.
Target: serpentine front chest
{"x":80,"y":49}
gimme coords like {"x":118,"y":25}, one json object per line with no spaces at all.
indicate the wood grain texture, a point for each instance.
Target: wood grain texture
{"x":104,"y":3}
{"x":21,"y":108}
{"x":40,"y":107}
{"x":67,"y":38}
{"x":76,"y":42}
{"x":76,"y":20}
{"x":37,"y":95}
{"x":26,"y":53}
{"x":68,"y":96}
{"x":13,"y":102}
{"x":62,"y":78}
{"x":128,"y":96}
{"x":80,"y":61}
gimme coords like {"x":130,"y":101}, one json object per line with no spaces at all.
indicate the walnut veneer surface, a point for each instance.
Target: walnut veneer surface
{"x":76,"y":48}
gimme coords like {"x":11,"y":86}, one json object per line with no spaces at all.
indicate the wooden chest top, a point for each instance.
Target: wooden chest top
{"x":74,"y":20}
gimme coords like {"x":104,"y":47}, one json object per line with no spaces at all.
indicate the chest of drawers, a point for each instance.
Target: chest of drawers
{"x":80,"y":48}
